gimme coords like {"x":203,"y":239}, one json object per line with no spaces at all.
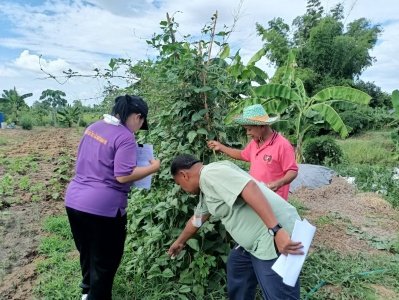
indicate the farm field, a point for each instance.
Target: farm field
{"x":36,"y":165}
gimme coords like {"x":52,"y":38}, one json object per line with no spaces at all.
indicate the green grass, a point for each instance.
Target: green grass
{"x":300,"y":207}
{"x":328,"y":274}
{"x":374,"y":147}
{"x":59,"y":270}
{"x":370,"y":158}
{"x":3,"y":141}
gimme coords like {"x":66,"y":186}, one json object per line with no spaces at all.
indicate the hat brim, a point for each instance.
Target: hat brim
{"x":251,"y":122}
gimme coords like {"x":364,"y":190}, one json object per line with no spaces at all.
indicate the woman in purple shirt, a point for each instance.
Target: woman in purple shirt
{"x":96,"y":198}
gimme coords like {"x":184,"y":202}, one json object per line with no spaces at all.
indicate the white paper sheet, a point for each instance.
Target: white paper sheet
{"x":144,"y":154}
{"x":289,"y":267}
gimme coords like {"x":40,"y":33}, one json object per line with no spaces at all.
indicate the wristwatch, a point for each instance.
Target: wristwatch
{"x":272,"y":231}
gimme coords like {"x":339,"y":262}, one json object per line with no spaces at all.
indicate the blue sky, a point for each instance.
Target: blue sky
{"x":83,"y":35}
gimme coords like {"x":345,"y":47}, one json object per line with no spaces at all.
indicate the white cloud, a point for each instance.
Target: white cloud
{"x":83,"y":34}
{"x":33,"y":62}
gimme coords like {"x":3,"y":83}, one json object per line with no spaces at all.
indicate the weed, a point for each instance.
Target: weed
{"x":347,"y":276}
{"x":371,"y":148}
{"x":58,"y":225}
{"x":24,"y":183}
{"x":7,"y":185}
{"x":301,"y":208}
{"x":54,"y":244}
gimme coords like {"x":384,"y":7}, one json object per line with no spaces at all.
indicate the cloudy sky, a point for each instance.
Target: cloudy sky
{"x":83,"y":35}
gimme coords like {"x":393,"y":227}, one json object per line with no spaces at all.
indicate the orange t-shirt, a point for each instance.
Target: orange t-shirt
{"x":271,"y":161}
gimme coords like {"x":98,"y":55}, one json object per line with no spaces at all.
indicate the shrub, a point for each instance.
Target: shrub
{"x":395,"y":137}
{"x":26,"y":122}
{"x":322,"y":151}
{"x":357,"y":122}
{"x":82,"y":123}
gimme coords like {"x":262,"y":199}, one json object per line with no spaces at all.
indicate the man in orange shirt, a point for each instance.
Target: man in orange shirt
{"x":271,"y":156}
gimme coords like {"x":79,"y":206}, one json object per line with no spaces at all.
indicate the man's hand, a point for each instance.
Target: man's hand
{"x":215,"y":145}
{"x":175,"y":249}
{"x":285,"y":245}
{"x":274,"y":185}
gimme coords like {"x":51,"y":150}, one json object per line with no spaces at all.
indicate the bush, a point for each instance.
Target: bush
{"x":322,"y":151}
{"x":82,"y":123}
{"x":26,"y":122}
{"x":380,"y":118}
{"x":395,"y":137}
{"x":357,"y":122}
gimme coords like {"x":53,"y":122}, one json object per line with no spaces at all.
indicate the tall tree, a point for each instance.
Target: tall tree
{"x":13,"y":103}
{"x":54,"y":99}
{"x":327,"y":52}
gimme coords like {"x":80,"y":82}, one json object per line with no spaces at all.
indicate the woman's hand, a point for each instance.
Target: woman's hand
{"x":285,"y":245}
{"x":155,"y":164}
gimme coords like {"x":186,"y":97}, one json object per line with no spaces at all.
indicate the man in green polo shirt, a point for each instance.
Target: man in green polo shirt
{"x":259,"y":220}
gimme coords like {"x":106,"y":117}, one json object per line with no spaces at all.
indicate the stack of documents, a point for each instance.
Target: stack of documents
{"x":144,"y":155}
{"x":289,"y":267}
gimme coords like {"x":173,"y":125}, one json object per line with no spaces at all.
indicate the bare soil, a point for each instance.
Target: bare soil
{"x":347,"y":221}
{"x":21,"y":215}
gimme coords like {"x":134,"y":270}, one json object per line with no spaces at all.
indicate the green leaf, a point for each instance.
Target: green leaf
{"x":112,"y":63}
{"x":191,"y":136}
{"x":203,"y":89}
{"x":167,"y":273}
{"x":184,"y":289}
{"x":193,"y":243}
{"x":197,"y":116}
{"x":276,"y":90}
{"x":258,"y":55}
{"x":342,"y":93}
{"x":225,"y":52}
{"x":332,"y":118}
{"x":202,"y":131}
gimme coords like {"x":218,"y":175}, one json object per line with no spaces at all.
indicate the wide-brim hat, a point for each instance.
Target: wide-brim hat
{"x":255,"y":115}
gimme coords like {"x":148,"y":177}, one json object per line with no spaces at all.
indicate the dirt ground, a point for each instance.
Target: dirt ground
{"x":21,"y":217}
{"x":346,"y":220}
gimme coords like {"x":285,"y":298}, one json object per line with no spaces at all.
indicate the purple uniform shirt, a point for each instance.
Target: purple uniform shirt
{"x":105,"y":152}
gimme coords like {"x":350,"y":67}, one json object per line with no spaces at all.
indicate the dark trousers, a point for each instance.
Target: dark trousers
{"x":245,"y":272}
{"x":100,"y":242}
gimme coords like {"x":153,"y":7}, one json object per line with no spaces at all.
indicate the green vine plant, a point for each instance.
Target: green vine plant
{"x":190,"y":86}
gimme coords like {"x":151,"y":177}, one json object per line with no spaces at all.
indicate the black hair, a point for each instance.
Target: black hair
{"x":182,"y":162}
{"x":126,"y":105}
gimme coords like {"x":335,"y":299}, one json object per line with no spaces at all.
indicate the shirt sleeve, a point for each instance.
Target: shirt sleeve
{"x":201,"y":209}
{"x":125,"y":157}
{"x":287,"y":158}
{"x":224,"y":182}
{"x":246,"y":152}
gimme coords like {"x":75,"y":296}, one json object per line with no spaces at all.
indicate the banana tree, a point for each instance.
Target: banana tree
{"x":69,"y":115}
{"x":14,"y":102}
{"x":305,"y":112}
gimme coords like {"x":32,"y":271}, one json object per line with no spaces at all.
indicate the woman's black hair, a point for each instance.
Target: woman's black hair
{"x":126,"y":105}
{"x":182,"y":162}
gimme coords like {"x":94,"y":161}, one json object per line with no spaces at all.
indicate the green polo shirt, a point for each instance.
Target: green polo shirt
{"x":221,"y":184}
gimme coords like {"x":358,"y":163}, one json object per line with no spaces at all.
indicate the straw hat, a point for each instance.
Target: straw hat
{"x":255,"y":115}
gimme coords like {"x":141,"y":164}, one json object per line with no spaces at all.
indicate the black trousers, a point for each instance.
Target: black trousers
{"x":100,"y":242}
